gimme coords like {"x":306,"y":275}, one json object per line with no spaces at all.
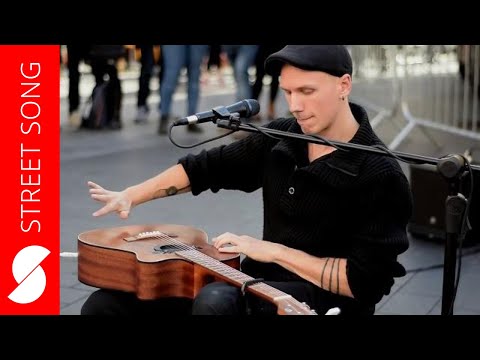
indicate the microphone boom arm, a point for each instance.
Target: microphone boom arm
{"x":278,"y":133}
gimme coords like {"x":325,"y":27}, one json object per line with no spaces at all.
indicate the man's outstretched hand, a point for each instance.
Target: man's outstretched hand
{"x":117,"y":201}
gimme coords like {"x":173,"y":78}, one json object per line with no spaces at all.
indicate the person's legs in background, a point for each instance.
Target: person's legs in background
{"x":195,"y":58}
{"x":273,"y":71}
{"x":114,"y":98}
{"x":173,"y":60}
{"x":75,"y":54}
{"x":147,"y":63}
{"x":242,"y":57}
{"x":274,"y":84}
{"x":213,"y":66}
{"x":259,"y":75}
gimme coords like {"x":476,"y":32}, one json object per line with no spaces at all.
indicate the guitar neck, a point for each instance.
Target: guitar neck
{"x":286,"y":304}
{"x":237,"y":278}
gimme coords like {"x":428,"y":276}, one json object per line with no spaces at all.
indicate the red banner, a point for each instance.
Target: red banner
{"x":30,"y":111}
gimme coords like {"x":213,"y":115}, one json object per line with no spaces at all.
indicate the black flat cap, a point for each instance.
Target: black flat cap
{"x":332,"y":59}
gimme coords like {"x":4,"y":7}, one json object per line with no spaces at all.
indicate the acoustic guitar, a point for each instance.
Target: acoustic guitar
{"x":166,"y":260}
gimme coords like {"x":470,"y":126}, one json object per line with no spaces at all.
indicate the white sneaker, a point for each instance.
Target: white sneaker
{"x":74,"y":120}
{"x":142,"y":115}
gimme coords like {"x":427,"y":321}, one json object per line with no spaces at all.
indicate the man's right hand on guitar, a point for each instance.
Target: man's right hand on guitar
{"x":117,"y":201}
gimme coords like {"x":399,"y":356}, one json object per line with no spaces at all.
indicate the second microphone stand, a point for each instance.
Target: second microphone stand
{"x":451,"y":167}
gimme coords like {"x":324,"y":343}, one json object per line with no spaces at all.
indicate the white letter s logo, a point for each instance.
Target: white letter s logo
{"x":29,"y":274}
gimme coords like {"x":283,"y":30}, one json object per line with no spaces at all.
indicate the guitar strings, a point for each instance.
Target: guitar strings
{"x":261,"y":285}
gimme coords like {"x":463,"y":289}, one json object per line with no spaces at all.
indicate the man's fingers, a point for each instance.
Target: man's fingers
{"x":105,"y":210}
{"x":96,"y":191}
{"x":93,"y":185}
{"x":124,"y":214}
{"x":99,"y":194}
{"x":102,"y":198}
{"x":228,"y":249}
{"x":224,"y":240}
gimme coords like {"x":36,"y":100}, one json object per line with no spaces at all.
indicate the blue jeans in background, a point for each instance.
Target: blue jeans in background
{"x":176,"y":57}
{"x":241,"y":58}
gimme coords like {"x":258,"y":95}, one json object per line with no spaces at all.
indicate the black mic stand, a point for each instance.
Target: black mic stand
{"x":451,"y":167}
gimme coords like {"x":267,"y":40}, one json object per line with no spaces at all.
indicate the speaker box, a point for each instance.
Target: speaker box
{"x":430,"y":191}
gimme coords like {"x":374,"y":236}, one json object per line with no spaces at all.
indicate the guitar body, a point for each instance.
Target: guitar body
{"x":117,"y":258}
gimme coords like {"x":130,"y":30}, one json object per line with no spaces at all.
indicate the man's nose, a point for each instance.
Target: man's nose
{"x":295,"y":104}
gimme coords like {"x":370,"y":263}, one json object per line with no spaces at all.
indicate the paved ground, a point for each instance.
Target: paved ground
{"x":120,"y":158}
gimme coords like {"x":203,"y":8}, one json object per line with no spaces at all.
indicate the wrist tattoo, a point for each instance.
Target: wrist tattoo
{"x":338,"y":276}
{"x":323,"y":272}
{"x":331,"y":275}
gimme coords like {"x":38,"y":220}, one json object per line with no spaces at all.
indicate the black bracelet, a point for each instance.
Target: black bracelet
{"x":323,"y":272}
{"x":338,"y":277}
{"x":331,"y":276}
{"x":249,"y":283}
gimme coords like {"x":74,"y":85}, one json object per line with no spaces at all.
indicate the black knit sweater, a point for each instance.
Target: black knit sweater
{"x":347,"y":204}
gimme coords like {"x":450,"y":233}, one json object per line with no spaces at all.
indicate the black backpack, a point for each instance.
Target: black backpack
{"x":103,"y":108}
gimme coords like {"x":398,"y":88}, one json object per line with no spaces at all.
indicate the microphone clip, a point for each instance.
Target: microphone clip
{"x":222,"y":113}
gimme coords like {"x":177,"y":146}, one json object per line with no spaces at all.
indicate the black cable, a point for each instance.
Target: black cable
{"x":197,"y":144}
{"x":259,"y":129}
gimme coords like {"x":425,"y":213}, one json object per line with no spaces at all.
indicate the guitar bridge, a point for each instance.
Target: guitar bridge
{"x":150,"y":235}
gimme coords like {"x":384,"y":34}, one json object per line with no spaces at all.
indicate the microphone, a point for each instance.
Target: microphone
{"x":244,"y":108}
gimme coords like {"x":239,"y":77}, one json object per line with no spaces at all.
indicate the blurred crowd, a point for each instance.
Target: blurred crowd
{"x":200,"y":63}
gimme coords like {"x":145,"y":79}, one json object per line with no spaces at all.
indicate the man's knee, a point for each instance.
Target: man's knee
{"x":104,"y":302}
{"x":217,"y":299}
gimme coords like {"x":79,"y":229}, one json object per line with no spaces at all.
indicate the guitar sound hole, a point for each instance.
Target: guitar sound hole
{"x":165,"y":249}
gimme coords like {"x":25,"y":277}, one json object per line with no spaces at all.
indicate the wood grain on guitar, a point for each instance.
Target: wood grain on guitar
{"x":166,"y":260}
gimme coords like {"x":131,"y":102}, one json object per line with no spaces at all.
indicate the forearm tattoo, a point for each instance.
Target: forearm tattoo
{"x":172,"y":190}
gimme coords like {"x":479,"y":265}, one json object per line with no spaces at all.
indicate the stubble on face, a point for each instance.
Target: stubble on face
{"x":312,"y":97}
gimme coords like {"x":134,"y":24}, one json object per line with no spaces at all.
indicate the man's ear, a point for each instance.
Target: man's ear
{"x":345,"y":85}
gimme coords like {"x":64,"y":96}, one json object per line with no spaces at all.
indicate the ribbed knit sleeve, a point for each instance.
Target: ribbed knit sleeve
{"x":236,"y":166}
{"x":382,"y":236}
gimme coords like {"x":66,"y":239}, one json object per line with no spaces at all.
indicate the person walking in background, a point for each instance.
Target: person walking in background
{"x":147,"y":63}
{"x":175,"y":58}
{"x":214,"y":65}
{"x":334,"y":221}
{"x":241,"y":58}
{"x":75,"y":55}
{"x":273,"y":71}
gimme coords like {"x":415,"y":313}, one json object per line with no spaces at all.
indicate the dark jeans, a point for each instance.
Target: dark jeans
{"x":216,"y":298}
{"x":76,"y":54}
{"x":147,"y":61}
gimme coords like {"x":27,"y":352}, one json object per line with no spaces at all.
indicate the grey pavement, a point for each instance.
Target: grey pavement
{"x":119,"y":158}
